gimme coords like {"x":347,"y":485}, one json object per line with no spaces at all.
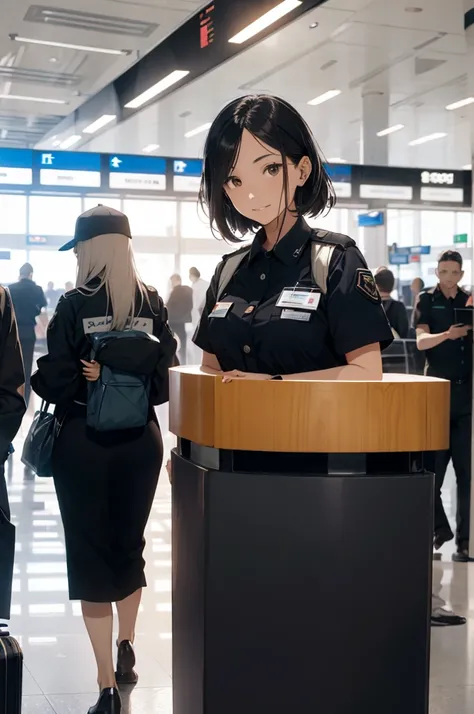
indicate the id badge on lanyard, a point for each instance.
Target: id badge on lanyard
{"x":299,"y":298}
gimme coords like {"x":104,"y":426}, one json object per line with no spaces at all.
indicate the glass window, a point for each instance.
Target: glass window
{"x":438,"y":228}
{"x":13,"y":214}
{"x":92,"y":202}
{"x":151,"y":218}
{"x":464,"y":224}
{"x":9,"y":269}
{"x":156,"y":269}
{"x":206,"y":264}
{"x":194,"y":223}
{"x":401,"y":227}
{"x":54,"y":215}
{"x":329,"y":222}
{"x":53,"y":266}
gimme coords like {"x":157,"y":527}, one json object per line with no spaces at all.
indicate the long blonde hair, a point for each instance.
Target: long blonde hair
{"x":110,"y":258}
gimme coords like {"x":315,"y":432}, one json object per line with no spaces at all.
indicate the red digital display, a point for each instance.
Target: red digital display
{"x":206,"y":26}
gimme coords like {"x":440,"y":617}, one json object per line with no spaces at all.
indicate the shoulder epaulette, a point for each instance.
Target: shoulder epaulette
{"x":337,"y":239}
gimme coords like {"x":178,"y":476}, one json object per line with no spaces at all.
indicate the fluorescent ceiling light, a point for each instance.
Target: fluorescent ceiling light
{"x":198,"y":130}
{"x":70,"y":141}
{"x":57,"y":142}
{"x":265,"y":21}
{"x":336,"y":161}
{"x":99,"y":123}
{"x":157,"y":88}
{"x":461,"y":103}
{"x":42,"y":100}
{"x":325,"y":97}
{"x":68,"y":46}
{"x":467,"y":167}
{"x":425,"y":139}
{"x":151,"y":147}
{"x":391,"y":129}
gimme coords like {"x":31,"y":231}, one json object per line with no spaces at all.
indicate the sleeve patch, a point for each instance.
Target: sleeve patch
{"x":365,"y":283}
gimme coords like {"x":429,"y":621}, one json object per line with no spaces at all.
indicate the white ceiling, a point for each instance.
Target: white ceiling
{"x":418,"y":61}
{"x":77,"y":74}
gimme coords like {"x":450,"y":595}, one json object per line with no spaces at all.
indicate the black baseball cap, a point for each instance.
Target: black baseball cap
{"x":99,"y":221}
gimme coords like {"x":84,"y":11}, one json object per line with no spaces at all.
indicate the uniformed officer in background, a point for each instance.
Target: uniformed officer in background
{"x":448,"y":348}
{"x":297,"y":303}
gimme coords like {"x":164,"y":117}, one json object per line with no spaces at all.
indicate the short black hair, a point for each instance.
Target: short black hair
{"x":195,"y":272}
{"x":385,"y":280}
{"x":26,"y":270}
{"x":176,"y":276}
{"x":276,"y":123}
{"x":451,"y":255}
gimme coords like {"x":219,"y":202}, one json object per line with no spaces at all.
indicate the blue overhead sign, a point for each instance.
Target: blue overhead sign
{"x":146,"y":173}
{"x":72,"y":169}
{"x":341,"y":177}
{"x":16,"y":167}
{"x":187,"y":175}
{"x":399,"y":258}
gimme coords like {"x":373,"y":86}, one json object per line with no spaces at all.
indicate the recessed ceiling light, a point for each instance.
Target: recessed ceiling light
{"x":425,"y":139}
{"x":467,"y":167}
{"x":53,"y":60}
{"x":99,"y":123}
{"x":325,"y":97}
{"x":336,"y":161}
{"x":157,"y":89}
{"x":265,"y":21}
{"x":151,"y":147}
{"x":21,"y":98}
{"x":391,"y":130}
{"x":198,"y":130}
{"x":460,"y":103}
{"x":314,"y":25}
{"x":70,"y":141}
{"x":68,"y":46}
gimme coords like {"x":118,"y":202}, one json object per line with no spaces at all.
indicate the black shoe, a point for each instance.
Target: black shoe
{"x":462,"y":553}
{"x":448,"y":619}
{"x":125,"y":673}
{"x":109,"y":703}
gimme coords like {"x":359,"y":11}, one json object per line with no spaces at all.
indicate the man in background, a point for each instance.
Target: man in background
{"x":199,"y":288}
{"x":52,"y":296}
{"x":417,"y":286}
{"x":448,"y":349}
{"x":28,"y":301}
{"x":180,"y":308}
{"x":395,"y":310}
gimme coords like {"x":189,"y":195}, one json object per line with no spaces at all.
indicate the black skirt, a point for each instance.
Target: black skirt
{"x":105,"y":486}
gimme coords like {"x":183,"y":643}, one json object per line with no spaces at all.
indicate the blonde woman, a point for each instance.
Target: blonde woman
{"x":105,"y":481}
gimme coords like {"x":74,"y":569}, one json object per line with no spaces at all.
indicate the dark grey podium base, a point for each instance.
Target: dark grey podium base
{"x":300,"y":593}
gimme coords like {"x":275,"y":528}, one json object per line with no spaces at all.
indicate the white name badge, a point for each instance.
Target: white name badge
{"x":297,"y":298}
{"x":298,"y":315}
{"x":221,"y":309}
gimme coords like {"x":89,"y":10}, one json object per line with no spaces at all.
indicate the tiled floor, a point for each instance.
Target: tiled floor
{"x":60,"y":676}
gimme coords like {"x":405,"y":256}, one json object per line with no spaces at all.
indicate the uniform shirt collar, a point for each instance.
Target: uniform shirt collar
{"x":289,"y":248}
{"x":439,"y":295}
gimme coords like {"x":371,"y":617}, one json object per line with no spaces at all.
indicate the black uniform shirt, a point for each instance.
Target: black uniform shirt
{"x":28,"y":300}
{"x":59,"y":378}
{"x":12,"y":404}
{"x":255,"y":337}
{"x":453,"y":358}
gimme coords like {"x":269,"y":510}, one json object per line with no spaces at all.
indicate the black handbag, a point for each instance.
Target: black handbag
{"x":39,"y":444}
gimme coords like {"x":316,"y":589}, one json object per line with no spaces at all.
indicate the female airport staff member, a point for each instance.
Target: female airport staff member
{"x":105,"y":481}
{"x":263,"y":172}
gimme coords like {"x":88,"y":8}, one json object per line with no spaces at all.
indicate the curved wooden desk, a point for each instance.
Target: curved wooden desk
{"x":302,"y":544}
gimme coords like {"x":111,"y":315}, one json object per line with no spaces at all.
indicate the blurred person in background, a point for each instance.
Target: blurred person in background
{"x":12,"y":409}
{"x":69,"y":286}
{"x":395,"y":310}
{"x":105,"y":480}
{"x":180,"y":308}
{"x":417,"y":286}
{"x":52,"y":296}
{"x":448,"y":350}
{"x":28,"y":301}
{"x":199,"y":288}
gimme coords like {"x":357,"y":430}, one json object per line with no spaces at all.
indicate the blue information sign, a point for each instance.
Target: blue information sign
{"x":399,"y":258}
{"x":71,"y":169}
{"x":420,"y":250}
{"x":187,"y":175}
{"x":16,"y":167}
{"x":137,"y":172}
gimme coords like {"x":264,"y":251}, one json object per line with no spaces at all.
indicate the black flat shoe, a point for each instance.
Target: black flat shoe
{"x":109,"y":703}
{"x":125,"y":673}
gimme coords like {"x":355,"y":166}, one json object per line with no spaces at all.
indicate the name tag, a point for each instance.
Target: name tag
{"x":298,"y":298}
{"x":221,"y":309}
{"x":296,"y":315}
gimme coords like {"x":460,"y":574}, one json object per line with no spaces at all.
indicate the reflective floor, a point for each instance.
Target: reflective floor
{"x":60,"y":676}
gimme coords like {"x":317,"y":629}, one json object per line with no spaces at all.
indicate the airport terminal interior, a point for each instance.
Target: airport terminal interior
{"x":109,"y":102}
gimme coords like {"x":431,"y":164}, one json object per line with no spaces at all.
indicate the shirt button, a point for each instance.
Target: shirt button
{"x":247,"y":349}
{"x":263,"y":276}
